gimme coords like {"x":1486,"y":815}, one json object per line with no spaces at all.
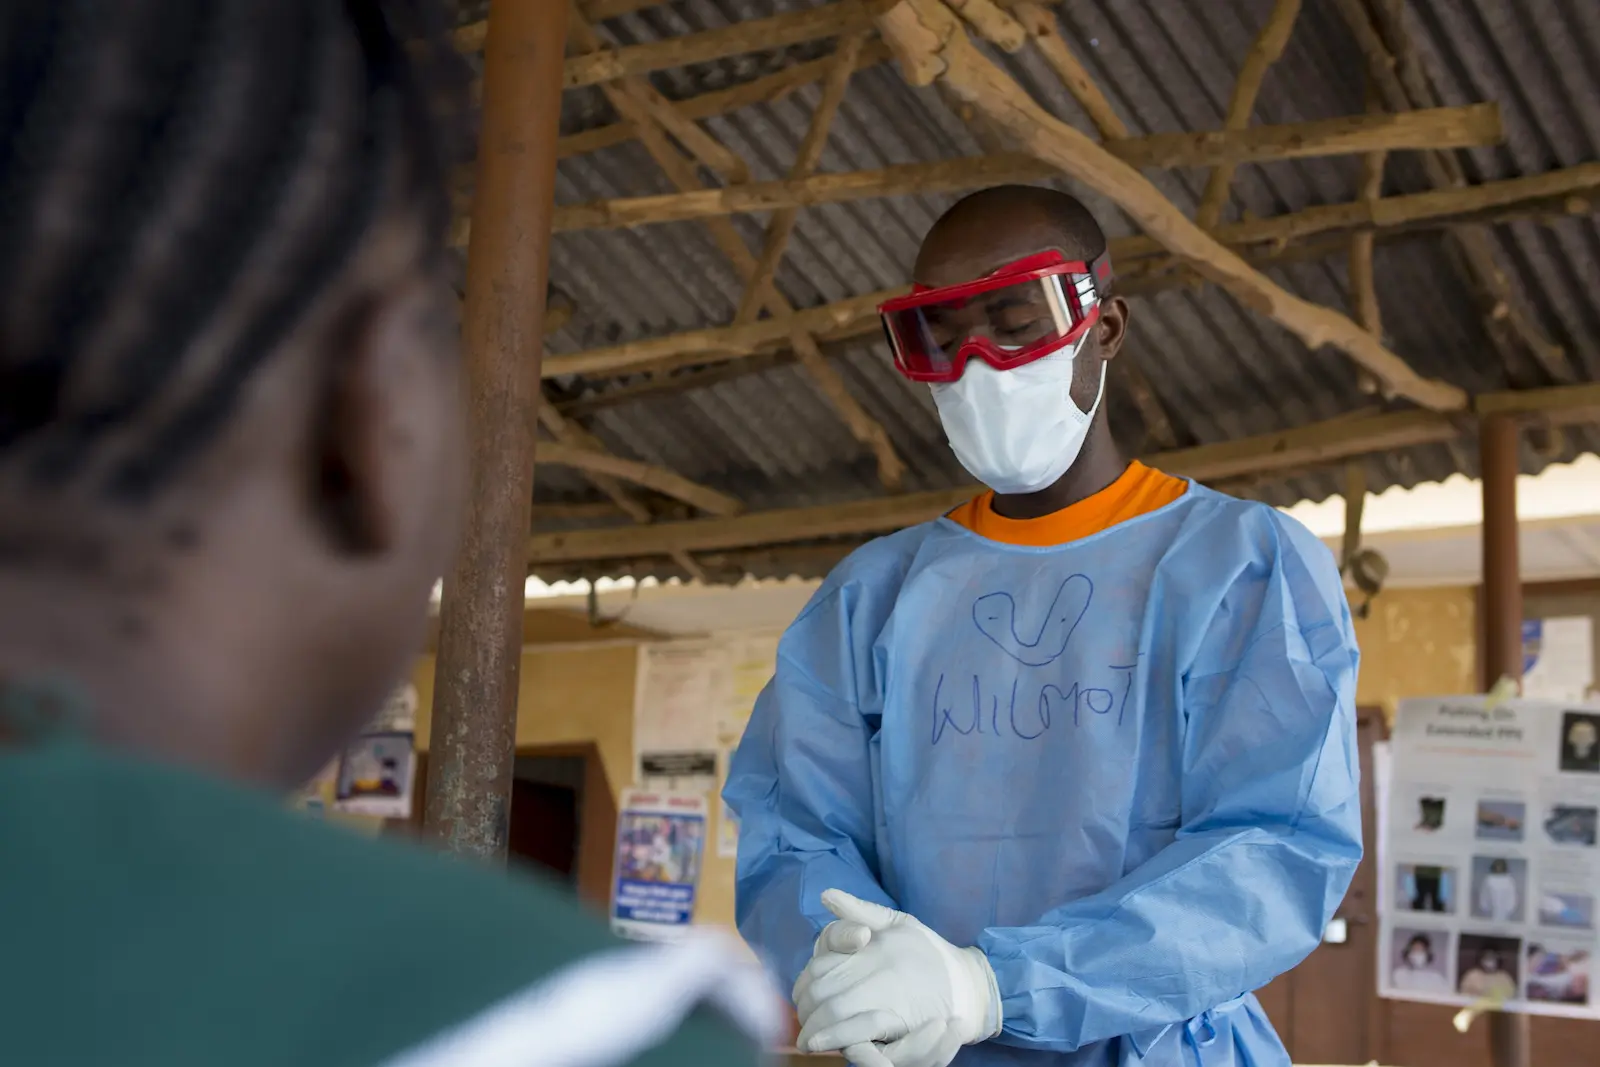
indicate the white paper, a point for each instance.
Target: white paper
{"x":1487,"y":855}
{"x":1558,"y":658}
{"x":680,"y":693}
{"x":751,"y":661}
{"x":660,"y":845}
{"x":377,"y":773}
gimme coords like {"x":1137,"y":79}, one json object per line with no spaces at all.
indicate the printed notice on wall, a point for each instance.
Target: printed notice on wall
{"x":377,"y":771}
{"x":660,"y":844}
{"x":679,"y":697}
{"x":1558,"y":658}
{"x":1489,"y":858}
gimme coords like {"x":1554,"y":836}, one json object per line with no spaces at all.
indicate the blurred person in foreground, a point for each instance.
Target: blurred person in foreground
{"x":1061,"y":777}
{"x":231,"y":454}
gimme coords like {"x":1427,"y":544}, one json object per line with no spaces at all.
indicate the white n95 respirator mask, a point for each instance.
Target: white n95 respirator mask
{"x":1017,"y":431}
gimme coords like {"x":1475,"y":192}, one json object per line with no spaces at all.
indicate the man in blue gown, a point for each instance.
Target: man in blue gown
{"x":1062,"y":777}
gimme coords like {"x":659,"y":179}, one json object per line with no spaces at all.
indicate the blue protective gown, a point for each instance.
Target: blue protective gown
{"x":1125,"y":768}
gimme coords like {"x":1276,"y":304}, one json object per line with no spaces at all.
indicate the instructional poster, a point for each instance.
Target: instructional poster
{"x":675,"y":714}
{"x":377,"y":771}
{"x":660,"y":844}
{"x":1558,"y":658}
{"x":1490,"y":856}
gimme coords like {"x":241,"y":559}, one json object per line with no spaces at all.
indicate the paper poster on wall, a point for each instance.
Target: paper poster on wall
{"x":1558,"y":658}
{"x":678,"y":696}
{"x":679,"y":772}
{"x":660,"y":844}
{"x":751,"y":661}
{"x":378,"y":769}
{"x":1488,"y":856}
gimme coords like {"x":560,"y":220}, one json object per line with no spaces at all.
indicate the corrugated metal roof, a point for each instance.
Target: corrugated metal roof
{"x":1220,"y":371}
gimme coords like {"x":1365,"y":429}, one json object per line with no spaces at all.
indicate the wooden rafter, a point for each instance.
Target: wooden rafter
{"x":1040,"y":26}
{"x":762,"y":90}
{"x":1363,"y":280}
{"x":569,"y":434}
{"x":1334,"y":441}
{"x":781,"y":226}
{"x":1474,"y":125}
{"x":1045,"y":32}
{"x":777,"y":31}
{"x":1397,"y":72}
{"x":926,"y":34}
{"x":1571,"y":190}
{"x":1264,"y":52}
{"x":648,"y":475}
{"x":682,"y":175}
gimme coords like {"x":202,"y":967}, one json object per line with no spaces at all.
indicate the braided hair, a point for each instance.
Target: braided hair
{"x":180,"y":180}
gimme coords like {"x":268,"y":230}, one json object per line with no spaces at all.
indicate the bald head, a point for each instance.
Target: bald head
{"x":992,"y":227}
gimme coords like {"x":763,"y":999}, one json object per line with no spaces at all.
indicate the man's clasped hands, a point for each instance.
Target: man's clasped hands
{"x":889,"y":992}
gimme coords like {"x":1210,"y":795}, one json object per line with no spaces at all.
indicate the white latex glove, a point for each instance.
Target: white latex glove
{"x":907,"y":989}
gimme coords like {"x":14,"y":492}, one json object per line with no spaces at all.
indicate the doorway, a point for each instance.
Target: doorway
{"x":546,"y":797}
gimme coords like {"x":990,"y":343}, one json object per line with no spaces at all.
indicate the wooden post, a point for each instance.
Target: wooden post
{"x":1499,"y":438}
{"x":480,"y":618}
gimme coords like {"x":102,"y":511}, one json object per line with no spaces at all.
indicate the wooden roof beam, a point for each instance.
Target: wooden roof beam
{"x":750,"y":35}
{"x":1399,"y":77}
{"x":781,"y":226}
{"x":862,"y":426}
{"x":927,"y":32}
{"x":1039,"y":24}
{"x":762,"y":90}
{"x":1572,"y":190}
{"x":1332,"y":441}
{"x":1264,"y":52}
{"x":1477,"y":125}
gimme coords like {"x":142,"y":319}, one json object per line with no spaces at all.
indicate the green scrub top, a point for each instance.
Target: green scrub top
{"x":152,"y":917}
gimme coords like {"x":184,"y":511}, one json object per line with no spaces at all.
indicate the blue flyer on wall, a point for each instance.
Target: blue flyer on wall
{"x":660,"y":843}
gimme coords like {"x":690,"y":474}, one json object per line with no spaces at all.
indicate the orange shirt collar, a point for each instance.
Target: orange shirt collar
{"x":1138,"y":491}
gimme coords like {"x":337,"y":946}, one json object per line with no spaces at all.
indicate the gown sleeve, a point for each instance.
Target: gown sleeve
{"x":1269,"y":836}
{"x":815,"y":831}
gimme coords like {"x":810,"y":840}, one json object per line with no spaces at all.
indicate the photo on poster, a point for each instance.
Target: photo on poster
{"x":1425,"y":888}
{"x":660,"y":841}
{"x":1559,"y":974}
{"x":1566,"y":908}
{"x":1487,"y":967}
{"x":375,"y":775}
{"x":1572,"y":824}
{"x":1423,"y":809}
{"x":1501,"y":820}
{"x":1499,"y":888}
{"x":1580,"y":742}
{"x":1422,"y":961}
{"x":660,"y":849}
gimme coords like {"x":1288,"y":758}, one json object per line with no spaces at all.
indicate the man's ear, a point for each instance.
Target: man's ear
{"x":1112,"y":329}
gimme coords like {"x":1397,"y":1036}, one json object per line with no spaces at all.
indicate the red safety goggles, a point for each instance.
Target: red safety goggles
{"x":1008,"y":318}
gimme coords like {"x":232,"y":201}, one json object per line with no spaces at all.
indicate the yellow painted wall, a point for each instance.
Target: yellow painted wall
{"x":575,"y":695}
{"x":1416,"y":642}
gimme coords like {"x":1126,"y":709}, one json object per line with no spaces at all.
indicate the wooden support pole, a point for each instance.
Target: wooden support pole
{"x":1363,"y":280}
{"x":1266,"y":51}
{"x":1500,"y":437}
{"x":480,"y":617}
